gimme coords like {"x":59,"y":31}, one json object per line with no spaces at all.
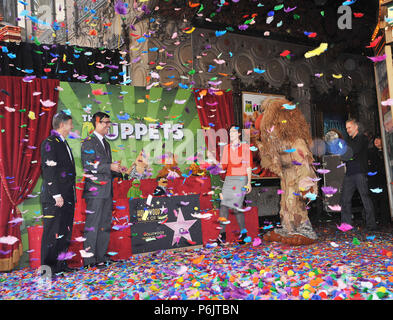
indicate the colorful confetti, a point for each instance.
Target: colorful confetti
{"x":340,"y":266}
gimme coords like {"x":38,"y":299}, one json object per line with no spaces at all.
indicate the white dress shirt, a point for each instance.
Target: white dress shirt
{"x":101,"y":138}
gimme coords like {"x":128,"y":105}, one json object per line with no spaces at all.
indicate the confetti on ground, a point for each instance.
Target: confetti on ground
{"x":358,"y":266}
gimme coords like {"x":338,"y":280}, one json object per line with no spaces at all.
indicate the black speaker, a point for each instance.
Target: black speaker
{"x":333,"y":179}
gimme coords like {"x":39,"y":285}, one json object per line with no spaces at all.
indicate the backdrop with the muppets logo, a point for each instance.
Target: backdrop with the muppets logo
{"x":161,"y":122}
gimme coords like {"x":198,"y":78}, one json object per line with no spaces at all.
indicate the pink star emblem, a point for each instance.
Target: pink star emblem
{"x":180,"y":227}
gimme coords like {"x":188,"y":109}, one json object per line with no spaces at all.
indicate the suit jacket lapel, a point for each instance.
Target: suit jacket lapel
{"x":64,"y":146}
{"x":72,"y":156}
{"x":65,"y":151}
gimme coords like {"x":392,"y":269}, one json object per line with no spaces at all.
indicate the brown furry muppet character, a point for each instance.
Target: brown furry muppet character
{"x":197,"y":170}
{"x":170,"y":169}
{"x":284,"y":141}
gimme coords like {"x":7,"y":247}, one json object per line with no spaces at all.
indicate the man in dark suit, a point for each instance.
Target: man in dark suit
{"x":57,"y":194}
{"x":355,"y":158}
{"x":98,"y":191}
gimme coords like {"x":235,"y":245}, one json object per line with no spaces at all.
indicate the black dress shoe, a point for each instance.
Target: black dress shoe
{"x":68,"y":269}
{"x":110,"y":262}
{"x":243,"y":236}
{"x":57,"y":275}
{"x":104,"y":264}
{"x":54,"y":277}
{"x":101,"y":265}
{"x":222,"y":239}
{"x":89,"y":266}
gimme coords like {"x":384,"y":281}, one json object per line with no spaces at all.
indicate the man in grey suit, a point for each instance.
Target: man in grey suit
{"x":98,"y":191}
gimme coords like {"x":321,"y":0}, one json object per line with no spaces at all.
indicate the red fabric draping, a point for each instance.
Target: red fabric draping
{"x":216,"y":108}
{"x":24,"y":124}
{"x":120,"y":238}
{"x":35,"y":235}
{"x":215,"y":111}
{"x":200,"y":185}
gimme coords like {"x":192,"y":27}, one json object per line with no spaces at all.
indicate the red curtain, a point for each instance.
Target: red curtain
{"x":215,"y":111}
{"x":24,"y":123}
{"x":216,"y":108}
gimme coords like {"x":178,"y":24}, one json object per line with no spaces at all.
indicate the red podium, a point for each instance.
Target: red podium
{"x":120,"y":239}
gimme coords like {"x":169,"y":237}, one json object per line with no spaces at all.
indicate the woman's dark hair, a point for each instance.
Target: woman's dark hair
{"x":98,"y":116}
{"x":238,"y":128}
{"x":58,"y":118}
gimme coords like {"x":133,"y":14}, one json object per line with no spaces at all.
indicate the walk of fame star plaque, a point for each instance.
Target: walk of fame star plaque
{"x":165,"y":224}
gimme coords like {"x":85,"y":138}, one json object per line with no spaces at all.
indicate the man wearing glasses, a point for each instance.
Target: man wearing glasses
{"x":98,"y":191}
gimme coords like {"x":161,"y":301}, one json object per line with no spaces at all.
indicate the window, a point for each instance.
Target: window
{"x":8,"y":10}
{"x":40,"y":18}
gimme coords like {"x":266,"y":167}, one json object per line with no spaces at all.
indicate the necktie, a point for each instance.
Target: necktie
{"x":106,"y":145}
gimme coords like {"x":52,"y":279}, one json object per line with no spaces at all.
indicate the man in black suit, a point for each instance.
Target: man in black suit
{"x":57,"y":194}
{"x":355,"y":158}
{"x":98,"y":191}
